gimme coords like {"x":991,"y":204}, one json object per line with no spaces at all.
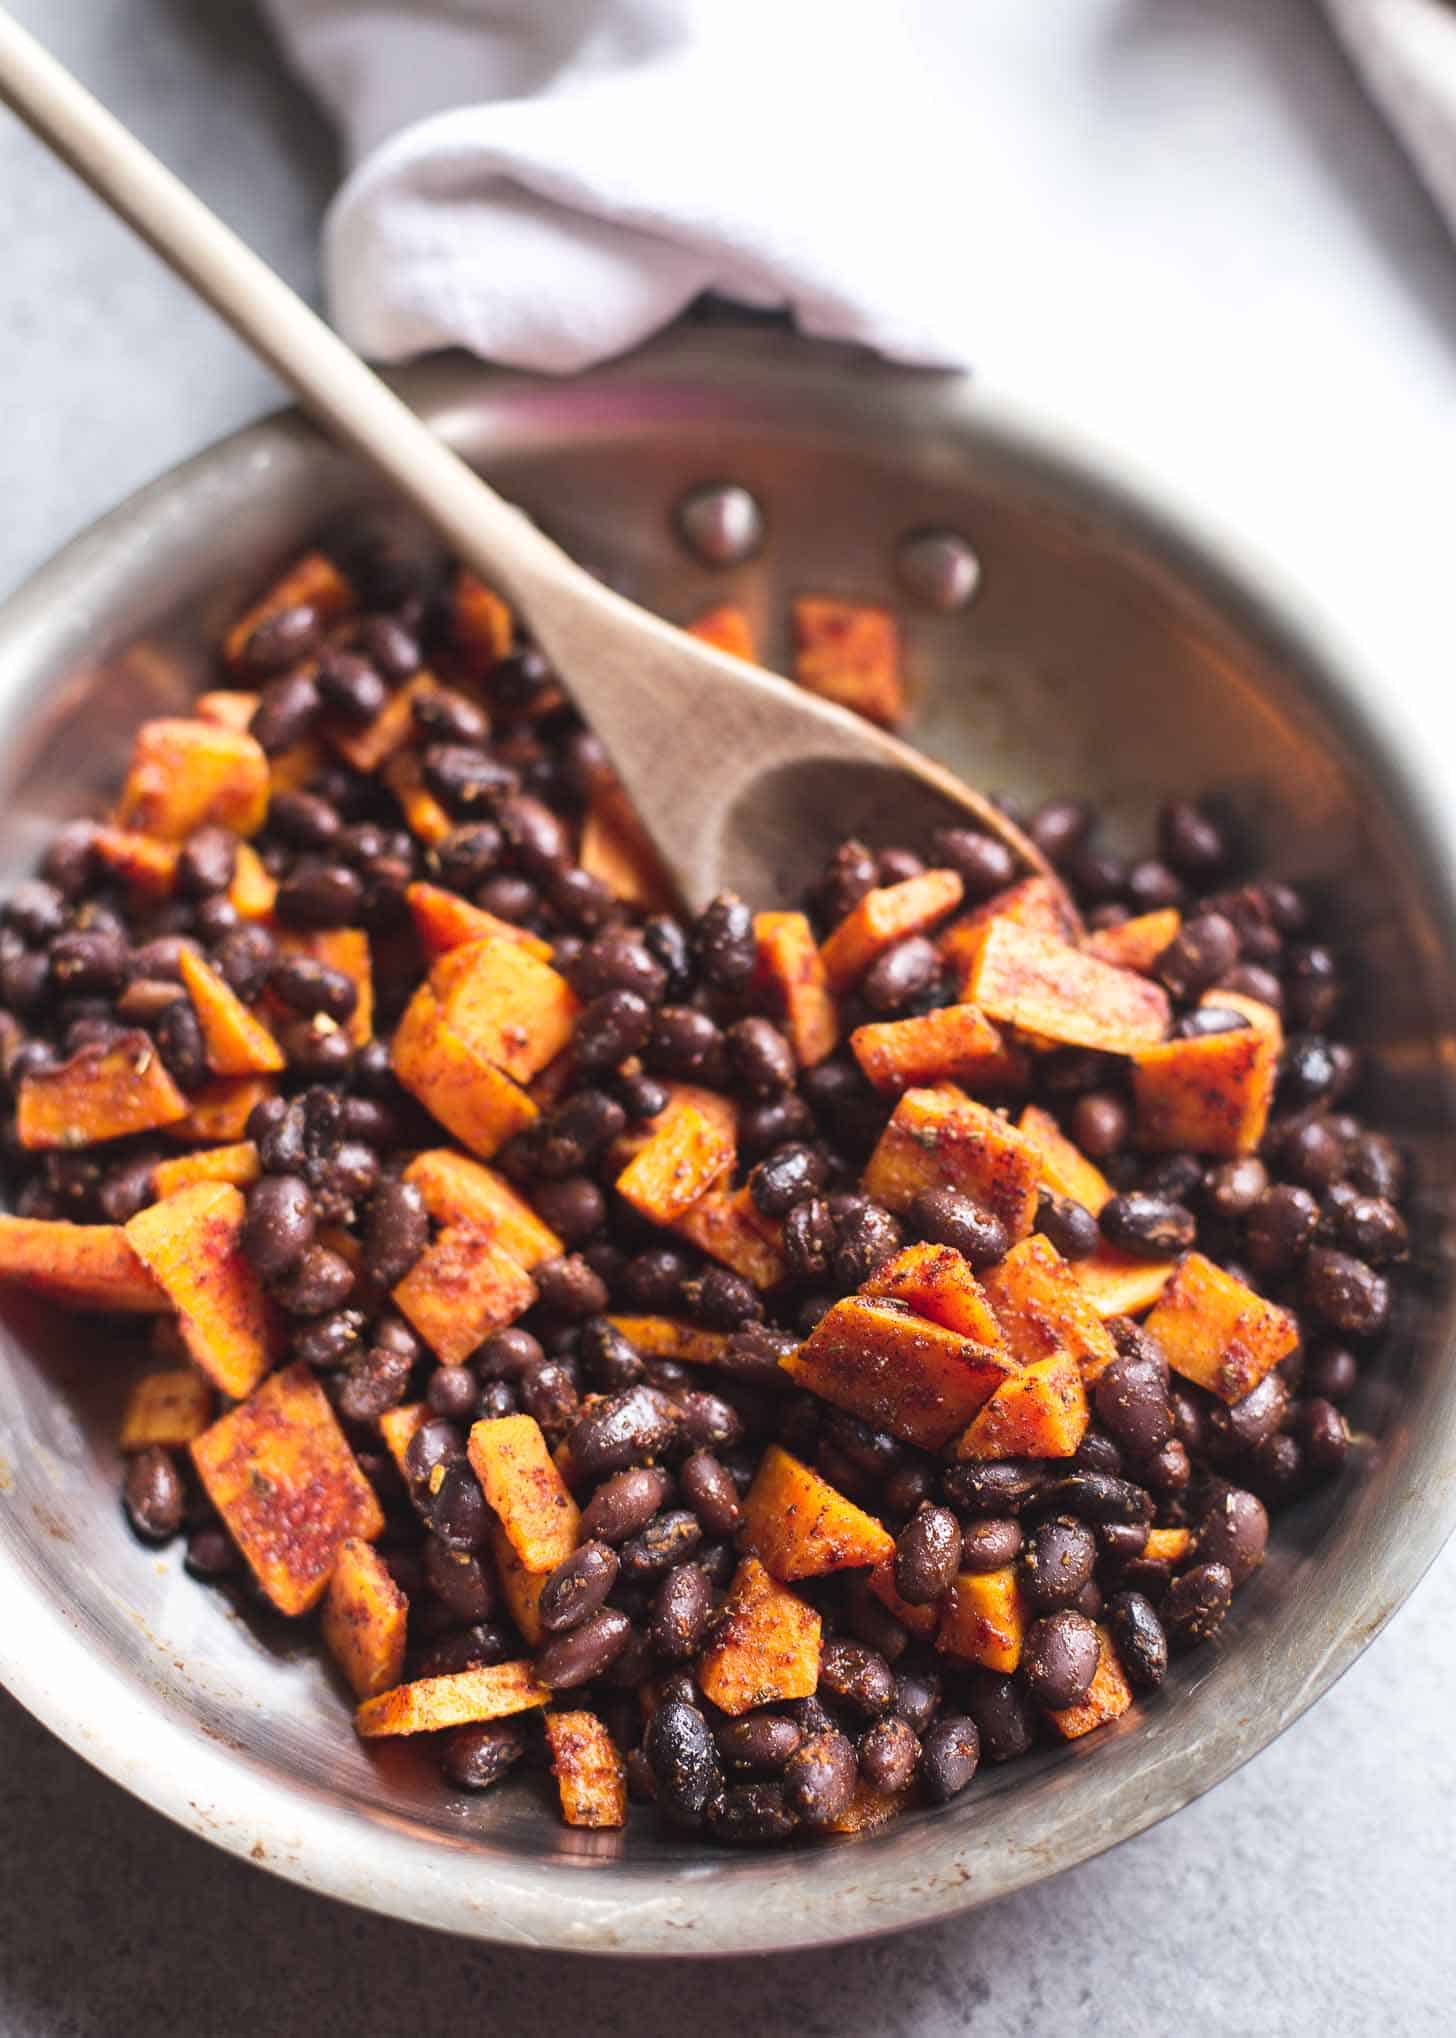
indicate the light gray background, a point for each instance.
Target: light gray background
{"x":1254,"y":299}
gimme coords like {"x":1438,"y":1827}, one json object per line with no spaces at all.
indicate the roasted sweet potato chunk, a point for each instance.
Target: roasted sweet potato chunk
{"x":728,"y":629}
{"x":1055,"y":992}
{"x":521,"y":1483}
{"x":616,"y":848}
{"x":457,"y":1700}
{"x":140,"y":861}
{"x":463,"y":1286}
{"x":187,"y":775}
{"x":943,"y":1139}
{"x":227,"y":707}
{"x":192,"y":1244}
{"x":168,"y":1409}
{"x":953,"y":1044}
{"x":668,"y":1337}
{"x":984,"y":1620}
{"x":1040,"y":1412}
{"x":78,"y":1266}
{"x":1208,"y":1095}
{"x":423,"y":815}
{"x":312,"y":581}
{"x":481,"y":625}
{"x":728,"y":1225}
{"x":398,"y":1427}
{"x":1218,"y":1333}
{"x":509,"y":1008}
{"x":591,"y":1776}
{"x":238,"y":1164}
{"x":443,"y":920}
{"x":936,"y":1281}
{"x":721,"y":1112}
{"x":897,"y":1371}
{"x":365,"y":1616}
{"x":1119,"y":1284}
{"x":458,"y":1190}
{"x":884,"y":916}
{"x":237,"y":1043}
{"x":1137,"y":943}
{"x":868,"y":1809}
{"x":1167,"y":1545}
{"x":685,"y":1156}
{"x":765,"y":1646}
{"x":1065,"y":1169}
{"x":1263,"y":1018}
{"x":281,"y":1475}
{"x":520,"y":1586}
{"x":470,"y":1097}
{"x":800,"y":1526}
{"x":850,"y":653}
{"x":370,"y":747}
{"x":1042,"y":1310}
{"x":1035,"y":902}
{"x":1108,"y":1696}
{"x":102,"y":1092}
{"x":218,"y":1113}
{"x":253,"y":893}
{"x":922,"y":1621}
{"x":790,"y":971}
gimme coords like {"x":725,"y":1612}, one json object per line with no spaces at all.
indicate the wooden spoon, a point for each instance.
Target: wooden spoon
{"x":740,"y":778}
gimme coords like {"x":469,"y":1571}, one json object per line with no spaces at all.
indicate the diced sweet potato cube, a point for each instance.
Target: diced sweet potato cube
{"x":423,"y":815}
{"x":1041,"y":1412}
{"x":237,"y":1044}
{"x":192,"y":1243}
{"x":509,"y":1008}
{"x":481,"y":624}
{"x":102,"y":1092}
{"x":953,"y":1044}
{"x":1036,"y":902}
{"x":721,"y":1111}
{"x":789,"y":972}
{"x":279,"y":1472}
{"x":590,"y":1773}
{"x":668,"y":1337}
{"x":616,"y":848}
{"x":456,"y":1700}
{"x":1208,"y":1095}
{"x":984,"y":1620}
{"x":1218,"y":1333}
{"x":523,"y":1486}
{"x":1065,"y":1169}
{"x":922,"y":1621}
{"x":1137,"y":943}
{"x":187,"y":775}
{"x":850,"y":653}
{"x":470,"y":1097}
{"x":897,"y":1371}
{"x":238,"y":1164}
{"x":936,"y":1281}
{"x":1042,"y":1310}
{"x":727,"y":628}
{"x":458,"y":1190}
{"x":884,"y":916}
{"x":1118,"y":1284}
{"x":1167,"y":1545}
{"x":146,"y":865}
{"x":868,"y":1809}
{"x":764,"y":1647}
{"x":1047,"y":988}
{"x":227,"y":707}
{"x":943,"y":1139}
{"x":443,"y":920}
{"x":345,"y":949}
{"x":1263,"y":1018}
{"x":295,"y":768}
{"x":399,"y":1427}
{"x":168,"y":1408}
{"x":729,"y":1226}
{"x":800,"y":1526}
{"x":368,"y":747}
{"x":365,"y":1616}
{"x":313,"y":581}
{"x":78,"y":1266}
{"x":1108,"y":1696}
{"x":253,"y":893}
{"x":520,"y":1586}
{"x":218,"y":1113}
{"x":462,"y":1287}
{"x":684,"y":1158}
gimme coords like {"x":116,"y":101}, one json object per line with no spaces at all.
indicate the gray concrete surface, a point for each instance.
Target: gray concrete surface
{"x":1294,"y":372}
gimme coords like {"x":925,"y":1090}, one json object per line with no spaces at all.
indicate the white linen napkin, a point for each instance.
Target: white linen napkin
{"x":546,"y":182}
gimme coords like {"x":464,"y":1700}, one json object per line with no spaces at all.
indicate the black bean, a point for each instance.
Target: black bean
{"x":684,"y":1043}
{"x":625,"y":1503}
{"x":287,"y":709}
{"x":1203,"y":951}
{"x":1177,"y":1176}
{"x":819,"y":1778}
{"x":1232,"y":1188}
{"x":760,"y":1056}
{"x":1371,"y":1228}
{"x":283,"y":638}
{"x":1100,"y":1123}
{"x":1058,"y":827}
{"x":577,"y":1587}
{"x":1331,"y":1373}
{"x":1280,"y":1228}
{"x":998,"y":1487}
{"x":537,"y":837}
{"x":760,"y":1743}
{"x":307,"y":986}
{"x":1234,"y":1533}
{"x":509,"y":897}
{"x":456,"y":1510}
{"x":767,"y":1122}
{"x":1148,"y":1225}
{"x":1059,"y":1659}
{"x":1323,"y":1438}
{"x":707,"y":1421}
{"x":444,"y":715}
{"x":990,"y":1544}
{"x":1138,"y":1636}
{"x":550,"y":1395}
{"x":642,"y":1097}
{"x":475,"y":1757}
{"x":681,"y":1610}
{"x":1094,"y":1496}
{"x":856,"y":1676}
{"x":1057,"y":1563}
{"x":888,"y":1753}
{"x":809,"y":1238}
{"x":983,"y":864}
{"x":206,"y":862}
{"x":900,"y":975}
{"x":950,"y":1752}
{"x":508,"y":1354}
{"x":723,"y":942}
{"x":710,"y":1492}
{"x":1070,"y":1226}
{"x":468,"y":781}
{"x":279,"y":1224}
{"x":472,"y":1648}
{"x":618,"y":960}
{"x":211,"y":1552}
{"x":786,"y":1177}
{"x":1345,"y":1293}
{"x":1196,"y":1604}
{"x":610,"y":1029}
{"x":584,"y":1652}
{"x":1375,"y":1165}
{"x":1152,"y":886}
{"x":1131,"y":1398}
{"x":1192,"y":843}
{"x":927,"y":1555}
{"x":895,"y":864}
{"x":751,"y":1815}
{"x":684,"y":1760}
{"x":568,"y":1286}
{"x":669,"y":1538}
{"x":396,"y":1230}
{"x":89,"y":961}
{"x":153,"y":1494}
{"x":319,"y":1281}
{"x":946,"y":1217}
{"x":865,"y":1239}
{"x":1242,"y":1425}
{"x":459,"y":1581}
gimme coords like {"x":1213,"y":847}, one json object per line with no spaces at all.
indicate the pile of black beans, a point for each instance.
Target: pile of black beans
{"x":665,"y":1452}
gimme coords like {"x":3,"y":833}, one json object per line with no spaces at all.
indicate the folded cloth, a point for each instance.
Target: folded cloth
{"x":546,"y":182}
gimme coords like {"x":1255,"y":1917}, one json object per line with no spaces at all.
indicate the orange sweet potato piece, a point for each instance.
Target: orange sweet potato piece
{"x":984,"y":1620}
{"x":668,"y":1337}
{"x":789,"y":971}
{"x":590,"y":1773}
{"x":238,"y":1164}
{"x":684,"y":1158}
{"x":616,"y":848}
{"x":102,"y":1092}
{"x":458,"y":1190}
{"x":850,"y":653}
{"x":922,"y":1621}
{"x":456,"y":1700}
{"x":471,"y":1098}
{"x":868,"y":1809}
{"x":425,"y":818}
{"x":1040,"y":1412}
{"x":368,"y":747}
{"x":721,"y":1112}
{"x":953,"y":1044}
{"x":228,"y":708}
{"x":897,"y":1371}
{"x":313,"y":580}
{"x":481,"y":624}
{"x":764,"y":1647}
{"x":1108,"y":1696}
{"x":296,"y":767}
{"x":1047,"y":988}
{"x":1137,"y":943}
{"x":884,"y":916}
{"x":78,"y":1266}
{"x":1167,"y":1545}
{"x":186,"y":775}
{"x":509,"y":1008}
{"x":1118,"y":1284}
{"x":799,"y":1526}
{"x":345,"y":949}
{"x":399,"y":1427}
{"x":1218,"y":1333}
{"x":168,"y":1408}
{"x":279,"y":1472}
{"x":1036,"y":902}
{"x":253,"y":893}
{"x":148,"y":866}
{"x":520,"y":1586}
{"x":237,"y":1043}
{"x":443,"y":920}
{"x":936,"y":1281}
{"x":1065,"y":1169}
{"x":218,"y":1113}
{"x":523,"y":1486}
{"x":1208,"y":1095}
{"x":728,"y":1225}
{"x":727,"y":628}
{"x":192,"y":1244}
{"x":943,"y":1139}
{"x":462,"y":1287}
{"x":365,"y":1616}
{"x":1042,"y":1311}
